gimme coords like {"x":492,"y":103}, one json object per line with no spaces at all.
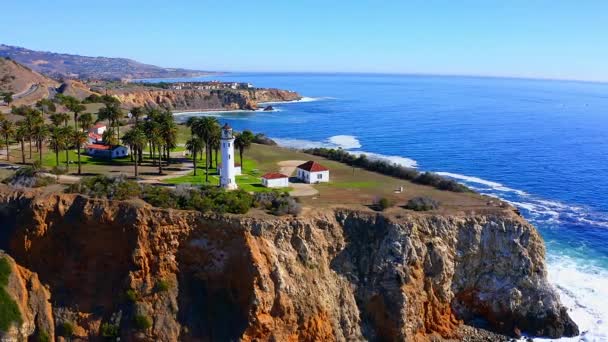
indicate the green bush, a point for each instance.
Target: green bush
{"x":278,"y":203}
{"x":142,"y":322}
{"x":9,"y":311}
{"x":205,"y":199}
{"x":422,"y":204}
{"x":162,"y":286}
{"x":131,"y":295}
{"x":29,"y":177}
{"x":65,"y":329}
{"x":382,"y":204}
{"x":43,"y":336}
{"x":109,"y":330}
{"x":116,"y":188}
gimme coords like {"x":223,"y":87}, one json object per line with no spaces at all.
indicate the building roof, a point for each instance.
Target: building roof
{"x":102,"y":147}
{"x":98,"y":147}
{"x":274,"y":175}
{"x":95,"y":136}
{"x":312,"y":166}
{"x":99,"y":125}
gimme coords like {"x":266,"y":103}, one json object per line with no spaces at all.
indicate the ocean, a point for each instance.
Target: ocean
{"x":541,"y":145}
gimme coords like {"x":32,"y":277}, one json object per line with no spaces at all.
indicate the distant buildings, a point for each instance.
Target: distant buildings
{"x":95,"y":135}
{"x":312,"y":172}
{"x":211,"y":85}
{"x":275,"y":180}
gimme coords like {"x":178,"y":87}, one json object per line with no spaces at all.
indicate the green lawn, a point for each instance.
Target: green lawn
{"x":48,"y":159}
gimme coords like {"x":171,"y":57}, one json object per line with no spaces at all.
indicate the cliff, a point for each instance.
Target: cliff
{"x":202,"y":99}
{"x":332,"y":274}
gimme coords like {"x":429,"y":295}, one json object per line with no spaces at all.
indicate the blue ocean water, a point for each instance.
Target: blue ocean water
{"x":541,"y":145}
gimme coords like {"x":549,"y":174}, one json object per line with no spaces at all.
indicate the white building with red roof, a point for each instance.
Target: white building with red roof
{"x":275,"y":180}
{"x":95,"y":134}
{"x":106,"y":151}
{"x":312,"y":172}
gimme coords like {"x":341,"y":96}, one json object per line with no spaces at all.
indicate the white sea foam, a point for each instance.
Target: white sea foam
{"x":347,"y":142}
{"x":477,"y":180}
{"x":583,"y":289}
{"x":303,"y":99}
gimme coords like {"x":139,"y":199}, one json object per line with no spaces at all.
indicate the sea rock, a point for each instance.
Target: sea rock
{"x":331,"y":274}
{"x":268,"y":108}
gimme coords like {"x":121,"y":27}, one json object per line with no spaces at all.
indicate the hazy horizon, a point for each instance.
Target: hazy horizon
{"x":540,"y":40}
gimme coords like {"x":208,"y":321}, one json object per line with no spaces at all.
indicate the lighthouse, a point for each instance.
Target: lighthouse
{"x":227,"y":172}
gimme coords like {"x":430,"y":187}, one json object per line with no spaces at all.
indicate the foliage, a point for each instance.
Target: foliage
{"x":114,"y":188}
{"x":66,"y":329}
{"x":205,"y":199}
{"x":109,"y":330}
{"x":383,"y":203}
{"x":162,"y":285}
{"x":131,"y":295}
{"x":262,"y":139}
{"x":278,"y":203}
{"x":29,"y":177}
{"x":142,"y":322}
{"x":43,"y":336}
{"x":422,"y":204}
{"x":105,"y":99}
{"x":390,"y":169}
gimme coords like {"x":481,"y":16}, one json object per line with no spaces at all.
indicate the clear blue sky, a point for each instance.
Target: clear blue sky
{"x":529,"y":38}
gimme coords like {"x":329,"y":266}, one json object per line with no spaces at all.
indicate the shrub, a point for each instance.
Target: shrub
{"x":118,"y":188}
{"x":29,"y":177}
{"x":142,"y":322}
{"x":109,"y":330}
{"x":162,"y":286}
{"x":131,"y":295}
{"x":382,"y":204}
{"x":422,"y":204}
{"x":65,"y":329}
{"x":278,"y":203}
{"x":262,"y":139}
{"x":9,"y":311}
{"x":43,"y":336}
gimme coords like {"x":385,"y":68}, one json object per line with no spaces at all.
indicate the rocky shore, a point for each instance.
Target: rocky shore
{"x":332,"y":274}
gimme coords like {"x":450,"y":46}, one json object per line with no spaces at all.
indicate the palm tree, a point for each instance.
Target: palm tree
{"x":194,"y":144}
{"x":207,"y":129}
{"x":57,"y":142}
{"x":136,"y":139}
{"x":7,"y":129}
{"x":46,"y":106}
{"x":40,"y":131}
{"x":79,"y":138}
{"x":21,"y":134}
{"x":136,"y":113}
{"x":8,"y":98}
{"x":113,"y":114}
{"x":76,"y":107}
{"x":168,"y":131}
{"x":86,"y":121}
{"x":68,"y":134}
{"x":242,"y":142}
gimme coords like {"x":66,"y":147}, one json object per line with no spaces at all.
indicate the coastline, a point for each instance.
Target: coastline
{"x":260,"y":109}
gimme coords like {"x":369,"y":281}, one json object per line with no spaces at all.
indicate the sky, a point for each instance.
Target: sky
{"x":560,"y":39}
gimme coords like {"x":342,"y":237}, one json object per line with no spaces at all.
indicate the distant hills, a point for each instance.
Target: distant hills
{"x":61,"y":65}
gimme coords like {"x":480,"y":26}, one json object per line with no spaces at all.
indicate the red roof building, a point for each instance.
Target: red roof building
{"x":274,"y":175}
{"x":98,"y":147}
{"x":312,"y":166}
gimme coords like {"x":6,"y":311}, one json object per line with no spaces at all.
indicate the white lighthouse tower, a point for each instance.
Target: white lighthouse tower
{"x":227,"y":172}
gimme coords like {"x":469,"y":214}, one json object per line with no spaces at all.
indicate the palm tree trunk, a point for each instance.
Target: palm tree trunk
{"x":160,"y":164}
{"x":207,"y":165}
{"x":40,"y":152}
{"x":67,"y":160}
{"x":30,"y":148}
{"x":23,"y":151}
{"x":216,"y":152}
{"x":8,"y":155}
{"x":241,"y":158}
{"x":57,"y":157}
{"x":79,"y":170}
{"x":194,"y":160}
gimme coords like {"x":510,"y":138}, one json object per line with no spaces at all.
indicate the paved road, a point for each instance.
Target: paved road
{"x":26,"y":92}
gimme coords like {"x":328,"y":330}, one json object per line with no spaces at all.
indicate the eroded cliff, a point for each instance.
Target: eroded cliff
{"x":202,"y":99}
{"x":333,"y":274}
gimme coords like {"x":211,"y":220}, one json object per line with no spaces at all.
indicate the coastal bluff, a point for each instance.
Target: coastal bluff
{"x":192,"y":99}
{"x":128,"y":269}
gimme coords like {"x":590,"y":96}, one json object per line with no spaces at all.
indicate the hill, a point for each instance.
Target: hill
{"x":61,"y":65}
{"x":26,"y":85}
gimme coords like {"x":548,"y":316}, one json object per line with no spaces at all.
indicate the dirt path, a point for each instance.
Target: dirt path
{"x":288,"y":167}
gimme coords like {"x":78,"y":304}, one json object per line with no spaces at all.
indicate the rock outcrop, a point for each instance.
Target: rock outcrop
{"x":332,"y":274}
{"x":228,"y":99}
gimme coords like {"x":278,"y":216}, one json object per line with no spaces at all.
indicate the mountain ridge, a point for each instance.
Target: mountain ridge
{"x":65,"y":65}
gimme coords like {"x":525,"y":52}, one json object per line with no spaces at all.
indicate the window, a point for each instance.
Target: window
{"x":319,"y":176}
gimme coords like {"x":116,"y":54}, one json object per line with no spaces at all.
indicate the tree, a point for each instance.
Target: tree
{"x":68,"y":134}
{"x":86,"y":121}
{"x":194,"y":145}
{"x":112,"y":113}
{"x":7,"y":129}
{"x":75,"y":106}
{"x":57,"y":142}
{"x":21,"y":134}
{"x":46,"y":106}
{"x":206,"y":129}
{"x":136,"y":139}
{"x":79,"y":138}
{"x":242,"y":142}
{"x":8,"y":98}
{"x":136,"y":113}
{"x":40,"y":132}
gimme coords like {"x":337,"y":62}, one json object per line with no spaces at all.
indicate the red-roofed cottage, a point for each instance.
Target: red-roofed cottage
{"x":312,"y":172}
{"x":106,"y":151}
{"x":275,"y":180}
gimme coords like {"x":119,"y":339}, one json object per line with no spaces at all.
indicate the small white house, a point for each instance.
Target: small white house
{"x":275,"y":180}
{"x":94,"y":138}
{"x":312,"y":172}
{"x":106,"y":151}
{"x":98,"y":128}
{"x":237,"y":169}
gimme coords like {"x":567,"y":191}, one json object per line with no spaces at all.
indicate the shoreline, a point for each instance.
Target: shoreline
{"x":260,"y":109}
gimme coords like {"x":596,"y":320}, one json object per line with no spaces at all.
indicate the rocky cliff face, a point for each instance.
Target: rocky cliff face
{"x":203,"y":99}
{"x":334,"y":274}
